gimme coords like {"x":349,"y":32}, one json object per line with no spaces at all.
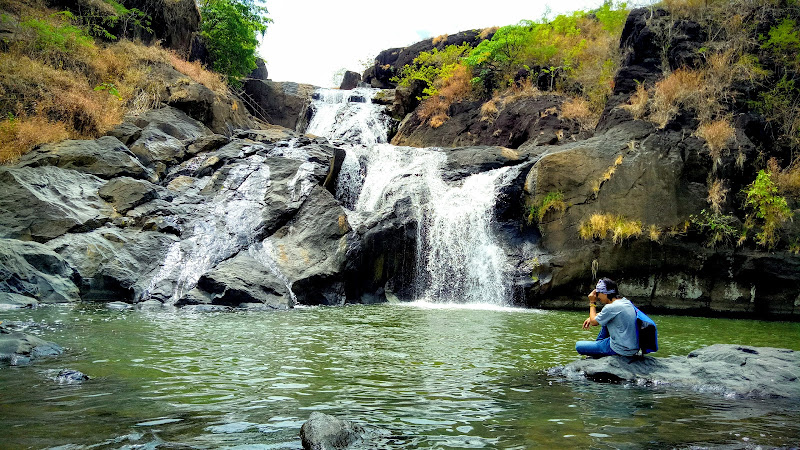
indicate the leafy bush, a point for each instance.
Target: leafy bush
{"x":230,"y":28}
{"x":434,"y":68}
{"x":721,"y":229}
{"x":767,"y":210}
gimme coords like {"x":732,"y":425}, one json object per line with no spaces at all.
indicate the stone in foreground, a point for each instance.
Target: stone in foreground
{"x":323,"y":431}
{"x":20,"y":349}
{"x":735,"y":370}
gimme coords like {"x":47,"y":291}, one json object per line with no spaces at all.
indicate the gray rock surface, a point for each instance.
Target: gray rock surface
{"x":126,"y":193}
{"x":280,"y":103}
{"x":350,"y":80}
{"x":105,"y":157}
{"x":326,"y":432}
{"x":42,"y":203}
{"x":113,"y":262}
{"x":20,"y":349}
{"x":31,"y":273}
{"x":71,"y":376}
{"x":720,"y":368}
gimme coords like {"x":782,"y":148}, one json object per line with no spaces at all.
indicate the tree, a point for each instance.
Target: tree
{"x":230,"y":29}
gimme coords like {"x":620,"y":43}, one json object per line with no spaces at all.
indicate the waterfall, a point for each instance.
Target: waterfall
{"x":458,"y":257}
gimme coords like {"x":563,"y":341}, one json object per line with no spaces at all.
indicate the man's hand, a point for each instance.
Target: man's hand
{"x":593,"y":296}
{"x":587,"y":323}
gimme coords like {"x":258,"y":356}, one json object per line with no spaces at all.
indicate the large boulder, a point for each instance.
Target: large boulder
{"x":105,"y":157}
{"x":310,"y":250}
{"x":280,"y":103}
{"x":113,"y":263}
{"x":31,"y":273}
{"x":720,"y":368}
{"x":173,"y":22}
{"x":42,"y":203}
{"x":125,"y":193}
{"x":528,"y":120}
{"x":251,"y":277}
{"x":20,"y":349}
{"x":219,"y":111}
{"x":350,"y":80}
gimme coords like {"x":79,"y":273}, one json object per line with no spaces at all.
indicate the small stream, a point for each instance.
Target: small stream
{"x":443,"y":376}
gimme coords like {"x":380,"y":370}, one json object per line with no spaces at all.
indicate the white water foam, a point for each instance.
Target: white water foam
{"x":459,"y":260}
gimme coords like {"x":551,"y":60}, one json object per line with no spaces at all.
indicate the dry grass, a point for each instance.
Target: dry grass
{"x":440,"y":38}
{"x":487,"y":31}
{"x":787,"y":180}
{"x":717,"y":134}
{"x":717,"y":194}
{"x":19,"y":135}
{"x":579,"y":110}
{"x":489,"y":111}
{"x":607,"y":175}
{"x":599,"y":226}
{"x":655,"y":233}
{"x":198,"y":73}
{"x":454,"y":88}
{"x":638,"y":102}
{"x":681,"y":88}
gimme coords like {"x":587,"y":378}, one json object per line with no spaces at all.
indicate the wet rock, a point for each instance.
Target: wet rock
{"x":31,"y":272}
{"x":105,"y":157}
{"x":721,"y":368}
{"x":207,"y":144}
{"x":241,"y":280}
{"x":323,"y":431}
{"x":10,"y":300}
{"x":20,"y":349}
{"x":310,"y":250}
{"x":126,"y":193}
{"x":118,"y":306}
{"x":42,"y":203}
{"x":163,"y":134}
{"x":270,"y":134}
{"x":70,"y":376}
{"x":113,"y":263}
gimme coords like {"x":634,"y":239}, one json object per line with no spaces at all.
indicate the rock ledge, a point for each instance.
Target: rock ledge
{"x":731,"y":370}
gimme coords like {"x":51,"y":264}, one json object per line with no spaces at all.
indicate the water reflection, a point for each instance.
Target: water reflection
{"x":448,"y":377}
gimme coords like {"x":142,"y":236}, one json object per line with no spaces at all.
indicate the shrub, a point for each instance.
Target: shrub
{"x":599,"y":226}
{"x":767,"y":210}
{"x":717,"y":194}
{"x":719,"y":228}
{"x":786,"y":180}
{"x":638,"y":102}
{"x":434,"y":68}
{"x":455,"y":87}
{"x":680,"y":88}
{"x":230,"y":28}
{"x":552,"y":201}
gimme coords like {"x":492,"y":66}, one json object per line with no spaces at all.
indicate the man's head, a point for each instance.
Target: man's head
{"x":607,"y":288}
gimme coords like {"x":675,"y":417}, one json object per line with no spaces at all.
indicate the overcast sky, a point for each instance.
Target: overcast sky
{"x":310,"y":40}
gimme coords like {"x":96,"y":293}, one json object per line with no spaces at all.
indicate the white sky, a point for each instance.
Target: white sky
{"x":312,"y":39}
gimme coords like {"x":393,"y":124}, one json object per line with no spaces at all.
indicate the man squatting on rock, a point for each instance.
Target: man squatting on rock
{"x":618,"y":316}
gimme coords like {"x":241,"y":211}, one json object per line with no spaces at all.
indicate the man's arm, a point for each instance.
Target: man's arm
{"x":591,"y":321}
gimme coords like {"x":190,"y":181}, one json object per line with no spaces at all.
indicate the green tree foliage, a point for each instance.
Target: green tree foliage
{"x":230,"y":29}
{"x":433,"y":68}
{"x":767,"y":210}
{"x":567,"y":44}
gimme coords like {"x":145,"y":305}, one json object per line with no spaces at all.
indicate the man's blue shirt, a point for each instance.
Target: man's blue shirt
{"x":620,"y":319}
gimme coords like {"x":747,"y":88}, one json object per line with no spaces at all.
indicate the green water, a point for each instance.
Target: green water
{"x":433,"y":377}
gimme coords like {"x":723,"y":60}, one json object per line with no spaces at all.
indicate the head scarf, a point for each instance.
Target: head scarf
{"x":602,"y":289}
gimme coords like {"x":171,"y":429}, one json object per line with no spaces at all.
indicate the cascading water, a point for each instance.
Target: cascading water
{"x":458,"y":258}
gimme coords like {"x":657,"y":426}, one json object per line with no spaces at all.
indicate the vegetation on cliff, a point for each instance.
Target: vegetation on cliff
{"x":75,"y":73}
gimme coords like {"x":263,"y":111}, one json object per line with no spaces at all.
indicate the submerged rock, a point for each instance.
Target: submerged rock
{"x":20,"y":349}
{"x":323,"y":431}
{"x":720,"y":368}
{"x":69,"y":376}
